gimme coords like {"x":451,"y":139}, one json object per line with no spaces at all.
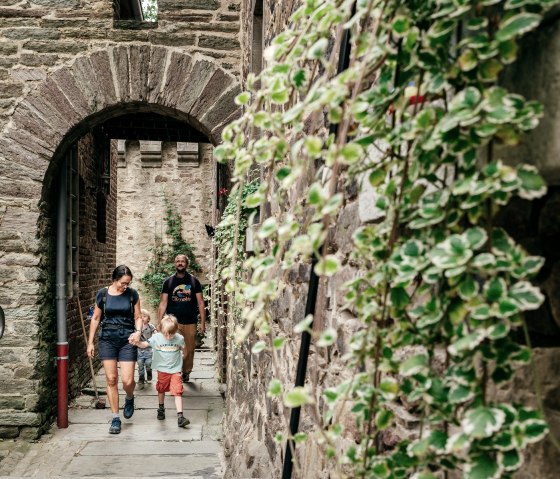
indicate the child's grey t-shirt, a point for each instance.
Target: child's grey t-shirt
{"x":168,"y":356}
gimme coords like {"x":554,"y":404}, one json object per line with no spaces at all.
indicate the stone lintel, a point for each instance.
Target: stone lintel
{"x":150,"y":154}
{"x":121,"y":153}
{"x":188,"y":154}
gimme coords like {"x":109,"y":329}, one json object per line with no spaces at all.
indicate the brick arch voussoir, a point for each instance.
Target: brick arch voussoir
{"x":193,"y":86}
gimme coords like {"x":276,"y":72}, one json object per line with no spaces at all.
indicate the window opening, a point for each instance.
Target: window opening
{"x":137,"y":10}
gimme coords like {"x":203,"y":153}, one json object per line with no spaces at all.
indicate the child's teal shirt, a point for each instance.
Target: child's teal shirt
{"x":168,"y":356}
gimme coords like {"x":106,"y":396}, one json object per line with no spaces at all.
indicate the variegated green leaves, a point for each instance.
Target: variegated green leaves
{"x":438,"y":288}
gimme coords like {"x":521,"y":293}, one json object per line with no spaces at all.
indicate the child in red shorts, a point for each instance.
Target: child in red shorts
{"x":168,"y":362}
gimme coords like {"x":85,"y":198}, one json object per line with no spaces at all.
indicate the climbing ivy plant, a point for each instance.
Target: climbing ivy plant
{"x":162,"y":263}
{"x":231,"y":230}
{"x":423,"y":121}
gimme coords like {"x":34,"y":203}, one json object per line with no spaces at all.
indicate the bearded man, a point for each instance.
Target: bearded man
{"x":181,"y":296}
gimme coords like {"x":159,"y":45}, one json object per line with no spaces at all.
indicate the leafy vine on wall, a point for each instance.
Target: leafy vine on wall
{"x":230,"y":228}
{"x":423,"y":121}
{"x":162,"y":264}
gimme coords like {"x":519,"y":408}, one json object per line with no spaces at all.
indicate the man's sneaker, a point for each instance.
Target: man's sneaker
{"x":161,"y":413}
{"x":183,"y":421}
{"x":149,"y":374}
{"x":128,"y":409}
{"x":141,"y":381}
{"x":115,"y":426}
{"x":185,"y":377}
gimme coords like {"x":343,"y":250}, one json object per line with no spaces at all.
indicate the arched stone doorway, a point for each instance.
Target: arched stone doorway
{"x":96,"y":89}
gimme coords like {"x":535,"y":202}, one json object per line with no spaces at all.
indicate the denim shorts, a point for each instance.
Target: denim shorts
{"x":113,"y":344}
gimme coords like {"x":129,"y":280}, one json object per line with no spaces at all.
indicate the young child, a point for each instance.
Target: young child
{"x":144,"y":360}
{"x":168,"y":362}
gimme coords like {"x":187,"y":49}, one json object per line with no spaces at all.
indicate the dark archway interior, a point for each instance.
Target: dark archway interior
{"x":89,"y":151}
{"x":128,"y":121}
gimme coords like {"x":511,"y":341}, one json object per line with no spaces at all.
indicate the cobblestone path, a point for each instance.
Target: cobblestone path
{"x":146,"y":447}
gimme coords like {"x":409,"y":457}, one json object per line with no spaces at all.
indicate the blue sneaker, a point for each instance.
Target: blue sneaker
{"x":128,"y":409}
{"x":115,"y":426}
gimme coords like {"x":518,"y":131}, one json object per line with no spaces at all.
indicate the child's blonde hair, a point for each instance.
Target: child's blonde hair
{"x":169,"y":324}
{"x":146,"y":312}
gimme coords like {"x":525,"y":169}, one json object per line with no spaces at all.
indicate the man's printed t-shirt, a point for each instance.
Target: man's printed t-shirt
{"x":181,"y":297}
{"x":168,"y":356}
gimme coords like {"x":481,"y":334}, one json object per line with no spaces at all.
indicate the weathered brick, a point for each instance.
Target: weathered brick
{"x":103,"y":76}
{"x":218,"y":43}
{"x":12,"y":12}
{"x":91,"y":82}
{"x":40,"y":105}
{"x":128,"y":35}
{"x":8,"y":89}
{"x":221,"y":110}
{"x":35,"y":60}
{"x":75,"y":95}
{"x":139,"y":59}
{"x":119,"y":61}
{"x":19,"y":418}
{"x":199,"y":76}
{"x":218,"y":83}
{"x":172,"y":5}
{"x":55,"y":47}
{"x":158,"y":59}
{"x":8,"y":48}
{"x":30,"y":122}
{"x":177,"y":77}
{"x":59,"y":3}
{"x":183,"y":39}
{"x":31,"y":33}
{"x":52,"y":93}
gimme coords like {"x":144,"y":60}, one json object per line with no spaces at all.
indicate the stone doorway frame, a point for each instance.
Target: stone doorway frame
{"x":71,"y":101}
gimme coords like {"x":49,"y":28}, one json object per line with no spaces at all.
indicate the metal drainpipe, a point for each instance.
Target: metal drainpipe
{"x":61,"y":336}
{"x":343,"y":62}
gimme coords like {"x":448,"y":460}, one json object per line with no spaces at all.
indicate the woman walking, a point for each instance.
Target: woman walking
{"x":117,"y":309}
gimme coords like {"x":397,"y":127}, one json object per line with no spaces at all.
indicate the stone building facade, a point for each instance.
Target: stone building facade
{"x":73,"y":77}
{"x":149,"y":174}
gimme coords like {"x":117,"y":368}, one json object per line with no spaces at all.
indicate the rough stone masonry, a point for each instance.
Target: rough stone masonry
{"x":66,"y":67}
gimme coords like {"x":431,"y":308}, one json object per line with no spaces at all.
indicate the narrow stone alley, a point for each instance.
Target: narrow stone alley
{"x":146,"y":447}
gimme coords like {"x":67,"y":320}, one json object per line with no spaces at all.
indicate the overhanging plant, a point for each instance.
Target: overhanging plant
{"x":438,"y":288}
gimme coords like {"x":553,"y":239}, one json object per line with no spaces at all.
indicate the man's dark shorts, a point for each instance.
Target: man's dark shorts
{"x":113,"y":344}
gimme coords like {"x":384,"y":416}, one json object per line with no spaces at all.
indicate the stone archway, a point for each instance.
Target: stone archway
{"x":69,"y":102}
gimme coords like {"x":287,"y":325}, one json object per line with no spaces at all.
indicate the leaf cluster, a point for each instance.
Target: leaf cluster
{"x":419,"y":117}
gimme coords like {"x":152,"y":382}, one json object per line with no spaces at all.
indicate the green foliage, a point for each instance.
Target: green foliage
{"x":229,"y":247}
{"x":162,"y":263}
{"x":420,"y":114}
{"x":150,"y":10}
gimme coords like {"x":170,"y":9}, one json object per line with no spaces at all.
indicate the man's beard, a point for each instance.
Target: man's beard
{"x":180,"y":269}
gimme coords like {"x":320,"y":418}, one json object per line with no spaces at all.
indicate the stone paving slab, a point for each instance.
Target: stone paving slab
{"x":204,"y":465}
{"x":141,"y":416}
{"x":146,"y":447}
{"x":166,"y":430}
{"x":141,"y":448}
{"x":146,"y":402}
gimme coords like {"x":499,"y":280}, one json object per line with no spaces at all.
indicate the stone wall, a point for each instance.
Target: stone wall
{"x":38,"y":36}
{"x":252,"y":419}
{"x":28,"y":393}
{"x":144,"y":182}
{"x":66,"y":66}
